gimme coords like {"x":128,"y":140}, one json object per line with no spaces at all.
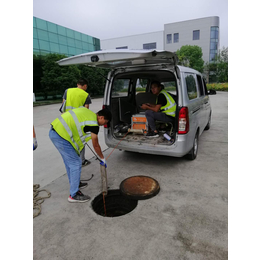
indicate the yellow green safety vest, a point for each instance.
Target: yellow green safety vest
{"x":170,"y":108}
{"x":70,"y":126}
{"x":76,"y":97}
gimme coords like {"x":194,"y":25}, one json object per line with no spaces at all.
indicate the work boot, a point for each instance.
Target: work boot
{"x":79,"y":197}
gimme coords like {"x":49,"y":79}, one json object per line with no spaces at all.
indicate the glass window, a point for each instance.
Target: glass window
{"x":196,"y":35}
{"x":44,"y":45}
{"x":120,"y":85}
{"x":123,"y":47}
{"x":62,"y":40}
{"x":61,"y":30}
{"x":72,"y":50}
{"x":191,"y":86}
{"x":169,"y":38}
{"x":52,"y":27}
{"x":35,"y":34}
{"x":199,"y":79}
{"x":35,"y":44}
{"x":71,"y":42}
{"x":34,"y":22}
{"x":78,"y":44}
{"x":176,"y":37}
{"x":78,"y":51}
{"x":77,"y":35}
{"x":54,"y":47}
{"x":64,"y":49}
{"x":53,"y":37}
{"x":70,"y":33}
{"x":84,"y":38}
{"x":43,"y":35}
{"x":41,"y":24}
{"x":148,"y":46}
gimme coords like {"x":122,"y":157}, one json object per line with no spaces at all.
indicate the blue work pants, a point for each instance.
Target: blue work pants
{"x":70,"y":158}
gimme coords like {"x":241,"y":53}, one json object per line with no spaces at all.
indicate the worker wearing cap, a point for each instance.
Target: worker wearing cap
{"x":69,"y":133}
{"x":74,"y":98}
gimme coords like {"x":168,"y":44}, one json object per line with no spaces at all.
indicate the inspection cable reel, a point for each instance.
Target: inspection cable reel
{"x":37,"y":201}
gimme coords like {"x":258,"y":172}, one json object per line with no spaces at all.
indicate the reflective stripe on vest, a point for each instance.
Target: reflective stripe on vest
{"x":70,"y":128}
{"x":171,"y":105}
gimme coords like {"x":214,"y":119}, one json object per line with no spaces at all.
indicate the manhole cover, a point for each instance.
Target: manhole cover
{"x":115,"y":204}
{"x":140,"y":187}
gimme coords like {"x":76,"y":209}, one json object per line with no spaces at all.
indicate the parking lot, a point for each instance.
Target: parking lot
{"x":188,"y":219}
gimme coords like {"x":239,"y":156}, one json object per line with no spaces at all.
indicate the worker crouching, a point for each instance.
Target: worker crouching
{"x":69,"y":133}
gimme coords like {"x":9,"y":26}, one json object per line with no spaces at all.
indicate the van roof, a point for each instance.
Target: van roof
{"x":121,"y":58}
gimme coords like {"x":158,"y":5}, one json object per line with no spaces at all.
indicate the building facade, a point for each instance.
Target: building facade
{"x":152,"y":40}
{"x":52,"y":38}
{"x":203,"y":32}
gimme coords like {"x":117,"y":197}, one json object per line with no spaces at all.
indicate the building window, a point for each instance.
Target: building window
{"x":196,"y":35}
{"x":123,"y":47}
{"x":169,"y":38}
{"x":214,"y":32}
{"x":176,"y":37}
{"x":148,"y":46}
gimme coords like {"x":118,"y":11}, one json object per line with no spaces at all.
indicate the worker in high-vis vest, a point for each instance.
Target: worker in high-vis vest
{"x":69,"y":133}
{"x":74,"y":98}
{"x":164,"y":109}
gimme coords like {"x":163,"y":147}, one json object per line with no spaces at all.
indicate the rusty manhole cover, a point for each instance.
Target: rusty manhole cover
{"x":140,"y":187}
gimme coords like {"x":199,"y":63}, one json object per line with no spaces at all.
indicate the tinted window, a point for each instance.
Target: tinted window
{"x":201,"y":89}
{"x":191,"y":86}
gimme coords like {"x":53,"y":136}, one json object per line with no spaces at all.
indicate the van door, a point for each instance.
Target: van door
{"x":204,"y":101}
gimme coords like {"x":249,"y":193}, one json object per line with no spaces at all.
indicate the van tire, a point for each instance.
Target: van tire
{"x":194,"y":151}
{"x":209,"y":123}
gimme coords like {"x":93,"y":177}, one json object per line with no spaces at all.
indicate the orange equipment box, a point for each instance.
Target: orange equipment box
{"x":139,"y":122}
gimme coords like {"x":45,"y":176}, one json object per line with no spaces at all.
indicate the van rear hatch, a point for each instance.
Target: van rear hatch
{"x":112,"y":59}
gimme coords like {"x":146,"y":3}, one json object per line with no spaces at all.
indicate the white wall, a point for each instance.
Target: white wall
{"x":185,"y":30}
{"x":134,"y":41}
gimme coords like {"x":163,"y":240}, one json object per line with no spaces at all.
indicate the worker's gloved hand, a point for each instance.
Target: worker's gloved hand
{"x":35,"y":144}
{"x":103,"y":162}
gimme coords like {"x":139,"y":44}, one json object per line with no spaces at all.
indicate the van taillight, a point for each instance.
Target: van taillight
{"x":183,"y":126}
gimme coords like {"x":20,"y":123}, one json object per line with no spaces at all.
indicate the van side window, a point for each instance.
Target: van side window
{"x":191,"y":86}
{"x":205,"y":87}
{"x":120,"y":86}
{"x":201,"y":89}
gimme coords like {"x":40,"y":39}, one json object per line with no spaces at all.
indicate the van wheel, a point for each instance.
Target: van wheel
{"x":194,"y":151}
{"x":209,"y":123}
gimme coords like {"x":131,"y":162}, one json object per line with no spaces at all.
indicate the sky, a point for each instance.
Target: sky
{"x":106,"y":19}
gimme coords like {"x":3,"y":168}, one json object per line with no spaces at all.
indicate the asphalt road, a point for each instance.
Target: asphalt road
{"x":188,"y":219}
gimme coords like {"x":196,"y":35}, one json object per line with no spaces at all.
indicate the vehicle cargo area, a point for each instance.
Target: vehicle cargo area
{"x":131,"y":90}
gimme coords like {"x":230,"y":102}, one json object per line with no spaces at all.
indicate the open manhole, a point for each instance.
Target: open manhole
{"x":115,"y":204}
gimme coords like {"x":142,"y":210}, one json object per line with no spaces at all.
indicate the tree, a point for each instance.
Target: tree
{"x":96,"y":79}
{"x":191,"y":56}
{"x":58,"y":78}
{"x":217,"y":70}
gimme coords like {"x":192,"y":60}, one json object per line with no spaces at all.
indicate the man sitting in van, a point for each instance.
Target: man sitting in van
{"x":163,"y":110}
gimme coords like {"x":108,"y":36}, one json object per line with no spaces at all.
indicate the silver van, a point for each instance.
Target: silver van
{"x":131,"y":71}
